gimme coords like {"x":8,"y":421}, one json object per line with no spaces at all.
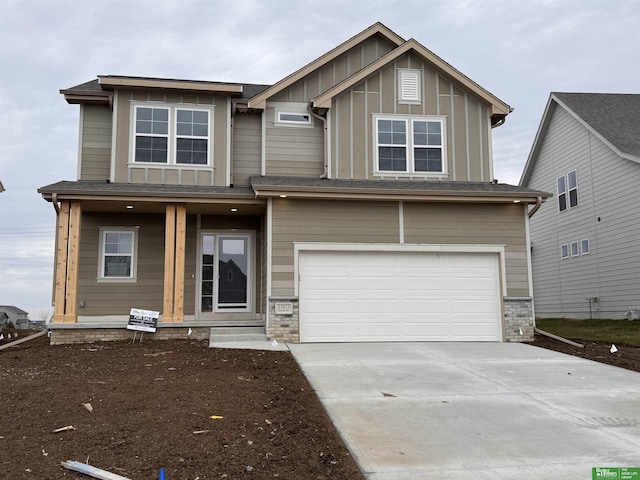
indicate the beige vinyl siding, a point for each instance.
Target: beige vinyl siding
{"x":294,"y":150}
{"x":247,"y":145}
{"x":325,"y":221}
{"x":478,"y":224}
{"x":95,"y":146}
{"x":607,"y":190}
{"x":467,"y":124}
{"x":336,"y":71}
{"x":107,"y":298}
{"x":215,"y":174}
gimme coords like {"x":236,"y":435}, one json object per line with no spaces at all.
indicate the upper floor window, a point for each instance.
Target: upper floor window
{"x":291,"y":114}
{"x":409,"y":85}
{"x":568,"y":191}
{"x":171,"y":135}
{"x":410,"y":145}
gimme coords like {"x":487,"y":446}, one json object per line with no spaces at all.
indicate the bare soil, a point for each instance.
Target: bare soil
{"x":153,"y":404}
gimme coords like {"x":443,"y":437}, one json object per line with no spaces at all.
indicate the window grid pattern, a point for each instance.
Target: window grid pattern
{"x":117,"y":255}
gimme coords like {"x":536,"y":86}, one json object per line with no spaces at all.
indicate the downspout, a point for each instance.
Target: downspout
{"x":54,"y":200}
{"x":324,"y":132}
{"x":537,"y":206}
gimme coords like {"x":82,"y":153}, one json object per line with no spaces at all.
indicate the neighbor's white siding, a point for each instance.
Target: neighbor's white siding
{"x":608,"y":215}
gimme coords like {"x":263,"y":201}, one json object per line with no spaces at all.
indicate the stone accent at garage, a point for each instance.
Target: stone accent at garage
{"x":518,"y":316}
{"x":284,"y":319}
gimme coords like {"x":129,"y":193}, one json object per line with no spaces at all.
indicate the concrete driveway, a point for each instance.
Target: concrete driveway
{"x":475,"y":410}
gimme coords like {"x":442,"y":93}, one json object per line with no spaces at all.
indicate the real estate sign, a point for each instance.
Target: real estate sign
{"x":143,"y":320}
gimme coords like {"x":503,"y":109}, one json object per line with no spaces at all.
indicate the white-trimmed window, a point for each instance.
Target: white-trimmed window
{"x":173,"y":135}
{"x":564,"y":250}
{"x":575,"y":249}
{"x":118,"y":254}
{"x":585,"y":247}
{"x":409,"y":144}
{"x":291,"y":114}
{"x":409,"y":85}
{"x":568,"y":191}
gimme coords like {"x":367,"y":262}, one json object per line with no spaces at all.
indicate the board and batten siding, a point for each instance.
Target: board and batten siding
{"x":607,"y":214}
{"x":247,"y":148}
{"x":336,"y":71}
{"x":475,"y":224}
{"x":467,"y":126}
{"x":171,"y":174}
{"x":293,"y":150}
{"x":95,"y":142}
{"x":325,"y":221}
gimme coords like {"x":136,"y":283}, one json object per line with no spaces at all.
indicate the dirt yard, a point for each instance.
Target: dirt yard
{"x":197,"y":412}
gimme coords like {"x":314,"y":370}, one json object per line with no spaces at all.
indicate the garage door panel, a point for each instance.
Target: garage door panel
{"x":398,"y":296}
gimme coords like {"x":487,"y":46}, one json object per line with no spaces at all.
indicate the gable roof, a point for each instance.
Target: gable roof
{"x":499,"y":109}
{"x":259,"y":101}
{"x":14,"y":310}
{"x":612,"y":117}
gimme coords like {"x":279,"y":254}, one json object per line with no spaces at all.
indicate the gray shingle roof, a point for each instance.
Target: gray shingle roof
{"x":81,"y":187}
{"x":396,"y":186}
{"x":248,"y":89}
{"x":615,"y":116}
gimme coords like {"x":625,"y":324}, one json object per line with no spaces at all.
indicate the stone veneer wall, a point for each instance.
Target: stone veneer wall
{"x":518,"y":316}
{"x":284,"y":328}
{"x":61,"y":336}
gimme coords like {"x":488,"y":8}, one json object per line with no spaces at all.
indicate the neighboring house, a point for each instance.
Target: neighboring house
{"x":356,"y":198}
{"x":15,"y":315}
{"x":586,"y":243}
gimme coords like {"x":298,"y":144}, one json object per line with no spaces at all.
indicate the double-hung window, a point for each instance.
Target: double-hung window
{"x":118,"y":248}
{"x":172,"y":135}
{"x":410,"y":145}
{"x":568,"y":191}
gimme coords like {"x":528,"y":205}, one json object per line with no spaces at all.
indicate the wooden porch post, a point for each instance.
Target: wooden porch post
{"x":181,"y":233}
{"x":75,"y":220}
{"x":62,"y":233}
{"x":169,"y":262}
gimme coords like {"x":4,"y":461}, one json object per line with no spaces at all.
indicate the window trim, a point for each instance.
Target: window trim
{"x":403,"y":77}
{"x":280,"y":121}
{"x":172,"y":134}
{"x":565,"y":194}
{"x":291,"y":108}
{"x":574,"y":252}
{"x":582,"y":251}
{"x":409,"y":145}
{"x":133,"y":277}
{"x":564,"y":251}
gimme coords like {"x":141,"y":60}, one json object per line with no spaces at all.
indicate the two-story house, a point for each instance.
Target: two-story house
{"x":355,"y":199}
{"x":586,"y":243}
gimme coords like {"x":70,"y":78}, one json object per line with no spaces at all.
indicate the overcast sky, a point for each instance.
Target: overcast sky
{"x":518,"y":50}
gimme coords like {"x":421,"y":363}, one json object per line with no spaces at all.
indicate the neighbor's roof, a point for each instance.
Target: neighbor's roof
{"x":12,"y":309}
{"x":393,"y":190}
{"x":612,"y":117}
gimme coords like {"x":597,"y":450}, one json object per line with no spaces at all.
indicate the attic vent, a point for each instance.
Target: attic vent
{"x":409,"y":85}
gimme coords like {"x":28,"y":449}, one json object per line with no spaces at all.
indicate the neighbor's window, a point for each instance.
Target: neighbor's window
{"x":574,"y":249}
{"x":564,"y":250}
{"x":294,"y":118}
{"x":413,"y":145}
{"x":568,"y":184}
{"x":291,"y":114}
{"x":409,"y":85}
{"x":117,"y":254}
{"x":171,"y":135}
{"x":585,"y":248}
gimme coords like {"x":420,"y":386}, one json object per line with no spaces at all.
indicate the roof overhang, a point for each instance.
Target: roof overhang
{"x":110,"y":82}
{"x":271,"y":187}
{"x":78,"y":96}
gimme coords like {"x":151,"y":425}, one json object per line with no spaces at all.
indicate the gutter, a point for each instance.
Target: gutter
{"x":536,"y":207}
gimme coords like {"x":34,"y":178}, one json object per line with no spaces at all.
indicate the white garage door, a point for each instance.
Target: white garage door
{"x":398,"y":296}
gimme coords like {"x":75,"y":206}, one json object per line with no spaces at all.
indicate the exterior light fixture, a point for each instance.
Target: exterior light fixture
{"x":234,"y":209}
{"x":283,"y":196}
{"x":129,"y":207}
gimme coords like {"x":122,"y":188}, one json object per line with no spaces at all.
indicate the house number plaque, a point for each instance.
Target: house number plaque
{"x":284,"y":308}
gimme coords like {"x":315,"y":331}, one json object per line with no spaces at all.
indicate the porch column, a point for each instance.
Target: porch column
{"x":67,"y":257}
{"x":174,"y":263}
{"x":169,"y":257}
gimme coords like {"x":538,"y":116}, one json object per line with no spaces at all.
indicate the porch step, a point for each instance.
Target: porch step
{"x":236,"y":334}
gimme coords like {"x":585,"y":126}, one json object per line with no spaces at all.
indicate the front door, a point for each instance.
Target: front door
{"x":225,"y":274}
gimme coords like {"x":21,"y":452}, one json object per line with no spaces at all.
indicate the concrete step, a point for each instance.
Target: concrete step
{"x":237,"y":334}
